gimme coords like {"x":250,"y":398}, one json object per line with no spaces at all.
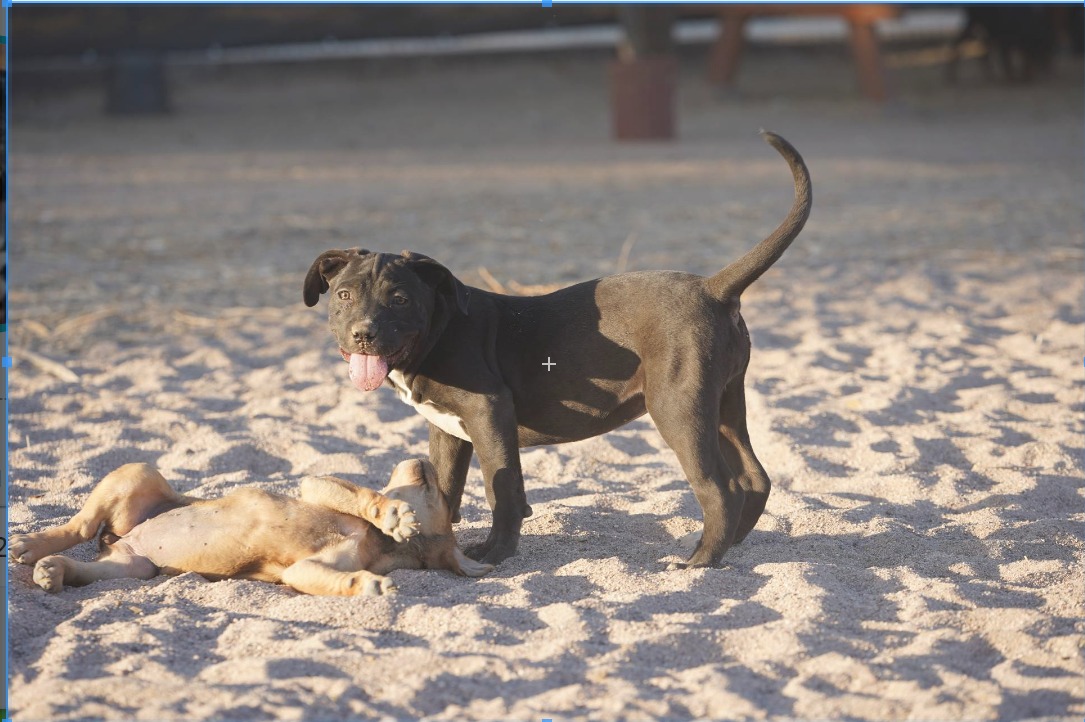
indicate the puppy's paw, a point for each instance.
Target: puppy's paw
{"x":492,"y":552}
{"x":25,"y":549}
{"x":396,"y":519}
{"x":374,"y":586}
{"x":49,"y":573}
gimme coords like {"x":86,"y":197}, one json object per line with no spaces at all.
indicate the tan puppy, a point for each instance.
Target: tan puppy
{"x":328,"y":542}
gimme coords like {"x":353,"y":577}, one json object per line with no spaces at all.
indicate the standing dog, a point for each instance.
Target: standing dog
{"x":338,"y":539}
{"x":473,"y":364}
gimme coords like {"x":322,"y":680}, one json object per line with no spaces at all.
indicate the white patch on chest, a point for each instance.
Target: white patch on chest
{"x":446,"y":422}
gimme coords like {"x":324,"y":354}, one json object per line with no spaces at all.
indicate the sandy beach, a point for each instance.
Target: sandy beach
{"x":915,"y":393}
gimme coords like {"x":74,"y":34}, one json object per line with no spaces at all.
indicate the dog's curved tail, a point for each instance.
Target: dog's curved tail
{"x":733,"y":280}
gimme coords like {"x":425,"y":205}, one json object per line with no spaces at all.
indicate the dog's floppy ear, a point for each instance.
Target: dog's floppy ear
{"x":439,"y":277}
{"x":323,"y":270}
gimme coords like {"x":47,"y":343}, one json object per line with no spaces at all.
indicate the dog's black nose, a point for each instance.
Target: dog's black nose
{"x":363,"y":331}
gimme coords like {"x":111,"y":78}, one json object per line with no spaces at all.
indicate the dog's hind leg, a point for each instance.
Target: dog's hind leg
{"x":124,"y":498}
{"x":688,"y":423}
{"x":736,"y":448}
{"x":55,"y":571}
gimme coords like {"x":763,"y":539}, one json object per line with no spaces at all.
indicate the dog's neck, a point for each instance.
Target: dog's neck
{"x":438,"y":322}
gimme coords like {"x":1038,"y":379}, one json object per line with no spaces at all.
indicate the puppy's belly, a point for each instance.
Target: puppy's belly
{"x":247,"y":534}
{"x":575,"y":422}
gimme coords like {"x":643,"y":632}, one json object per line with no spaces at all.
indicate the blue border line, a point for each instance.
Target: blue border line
{"x":545,"y":3}
{"x":7,"y":357}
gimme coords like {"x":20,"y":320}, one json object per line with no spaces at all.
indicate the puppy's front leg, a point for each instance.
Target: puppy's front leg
{"x":451,"y":457}
{"x":495,"y":434}
{"x":393,"y":517}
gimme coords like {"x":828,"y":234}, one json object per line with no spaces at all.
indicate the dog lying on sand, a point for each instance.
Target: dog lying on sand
{"x":338,"y":539}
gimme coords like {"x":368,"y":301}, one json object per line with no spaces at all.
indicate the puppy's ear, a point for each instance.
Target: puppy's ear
{"x":440,"y":278}
{"x":324,"y":268}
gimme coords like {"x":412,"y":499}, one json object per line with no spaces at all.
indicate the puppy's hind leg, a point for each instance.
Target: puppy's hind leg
{"x":53,"y":572}
{"x":689,"y":423}
{"x":736,"y":448}
{"x":124,"y":498}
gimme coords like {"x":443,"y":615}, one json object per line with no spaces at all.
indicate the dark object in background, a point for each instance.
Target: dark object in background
{"x":1020,"y":37}
{"x":643,"y":78}
{"x":136,"y":80}
{"x":136,"y":83}
{"x":1072,"y":20}
{"x":73,"y":29}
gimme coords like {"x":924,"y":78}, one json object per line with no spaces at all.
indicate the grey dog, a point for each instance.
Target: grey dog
{"x":471,"y":362}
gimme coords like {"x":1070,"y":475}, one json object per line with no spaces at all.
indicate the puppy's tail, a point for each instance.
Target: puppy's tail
{"x":733,"y":280}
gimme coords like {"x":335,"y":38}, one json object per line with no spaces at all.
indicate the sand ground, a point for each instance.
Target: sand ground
{"x":915,"y":392}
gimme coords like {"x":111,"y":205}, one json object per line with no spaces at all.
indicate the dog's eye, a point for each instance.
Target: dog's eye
{"x":399,"y":300}
{"x":345,"y":295}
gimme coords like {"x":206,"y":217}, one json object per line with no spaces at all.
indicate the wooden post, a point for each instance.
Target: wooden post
{"x":643,"y":77}
{"x":868,"y":63}
{"x":726,"y":52}
{"x":723,"y":59}
{"x":646,"y":31}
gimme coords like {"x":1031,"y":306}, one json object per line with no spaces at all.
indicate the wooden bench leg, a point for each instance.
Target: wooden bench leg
{"x":726,"y":52}
{"x":864,"y":45}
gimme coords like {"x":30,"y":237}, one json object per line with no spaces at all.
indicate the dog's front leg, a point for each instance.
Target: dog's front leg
{"x":451,"y":456}
{"x":495,"y":433}
{"x":313,"y":576}
{"x":392,"y":516}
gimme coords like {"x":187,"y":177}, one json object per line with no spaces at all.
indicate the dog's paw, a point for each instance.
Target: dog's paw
{"x":477,"y":551}
{"x":49,"y":573}
{"x":24,"y":548}
{"x":492,"y":552}
{"x":374,"y":586}
{"x":396,"y":519}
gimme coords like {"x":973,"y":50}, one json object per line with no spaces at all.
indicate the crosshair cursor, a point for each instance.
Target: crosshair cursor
{"x":549,"y":363}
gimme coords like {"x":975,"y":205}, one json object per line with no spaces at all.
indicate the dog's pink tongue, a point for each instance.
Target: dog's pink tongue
{"x":367,"y":372}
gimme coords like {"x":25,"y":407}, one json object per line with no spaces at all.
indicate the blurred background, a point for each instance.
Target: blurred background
{"x":915,"y":385}
{"x":213,"y":151}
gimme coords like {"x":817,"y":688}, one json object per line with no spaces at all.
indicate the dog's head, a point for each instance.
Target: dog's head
{"x":382,"y":307}
{"x":415,"y":482}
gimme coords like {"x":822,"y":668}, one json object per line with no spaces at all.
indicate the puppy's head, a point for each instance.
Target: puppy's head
{"x":381,"y":307}
{"x":415,"y":482}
